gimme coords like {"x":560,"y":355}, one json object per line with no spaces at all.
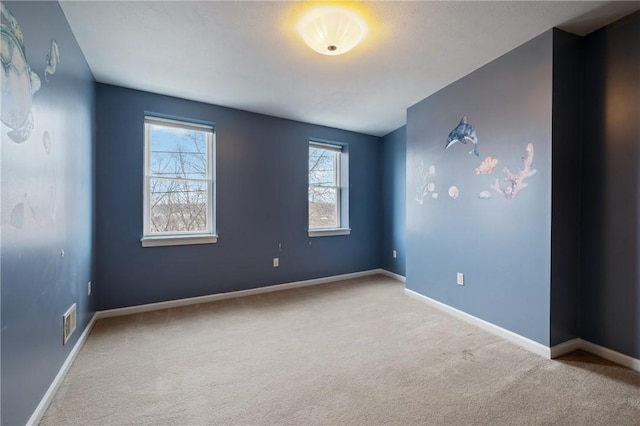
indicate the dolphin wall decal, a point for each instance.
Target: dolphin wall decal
{"x":463,"y":133}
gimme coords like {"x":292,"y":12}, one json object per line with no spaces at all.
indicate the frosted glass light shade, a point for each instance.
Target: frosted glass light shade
{"x":332,"y":30}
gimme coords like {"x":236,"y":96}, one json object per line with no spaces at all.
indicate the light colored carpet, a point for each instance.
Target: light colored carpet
{"x":353,"y":352}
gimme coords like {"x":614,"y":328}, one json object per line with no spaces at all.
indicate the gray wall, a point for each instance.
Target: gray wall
{"x":610,"y":308}
{"x":47,"y":208}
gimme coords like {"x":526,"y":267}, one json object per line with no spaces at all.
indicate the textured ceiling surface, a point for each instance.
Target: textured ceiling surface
{"x":247,"y":55}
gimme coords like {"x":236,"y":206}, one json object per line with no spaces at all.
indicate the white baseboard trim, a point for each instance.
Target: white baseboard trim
{"x":528,"y":344}
{"x":565,"y":347}
{"x":38,"y":413}
{"x":611,"y":355}
{"x":130,"y":310}
{"x":393,"y":275}
{"x":40,"y":410}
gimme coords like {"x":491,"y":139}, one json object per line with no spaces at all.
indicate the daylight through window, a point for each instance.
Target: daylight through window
{"x":328,"y":203}
{"x":179,"y":184}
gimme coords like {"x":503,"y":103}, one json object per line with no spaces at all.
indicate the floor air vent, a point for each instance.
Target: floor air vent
{"x":68,"y":323}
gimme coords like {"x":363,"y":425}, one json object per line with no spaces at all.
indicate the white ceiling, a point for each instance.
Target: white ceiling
{"x":247,"y":55}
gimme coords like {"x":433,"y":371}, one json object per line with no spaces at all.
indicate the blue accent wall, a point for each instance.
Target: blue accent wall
{"x":261,"y":172}
{"x":501,"y":245}
{"x":610,"y":308}
{"x":394,"y":193}
{"x":559,"y":260}
{"x":47,"y":204}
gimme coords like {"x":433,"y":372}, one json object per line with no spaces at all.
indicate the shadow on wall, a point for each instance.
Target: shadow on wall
{"x":611,"y":167}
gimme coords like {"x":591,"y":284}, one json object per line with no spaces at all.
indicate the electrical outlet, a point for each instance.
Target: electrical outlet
{"x":68,"y":323}
{"x":395,"y":254}
{"x":276,"y":262}
{"x":460,"y":278}
{"x":89,"y":288}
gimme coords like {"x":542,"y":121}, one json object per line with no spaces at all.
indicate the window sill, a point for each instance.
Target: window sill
{"x":178,"y":240}
{"x":329,"y":232}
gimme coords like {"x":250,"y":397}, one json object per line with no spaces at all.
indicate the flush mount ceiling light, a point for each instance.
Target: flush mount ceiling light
{"x":332,"y":30}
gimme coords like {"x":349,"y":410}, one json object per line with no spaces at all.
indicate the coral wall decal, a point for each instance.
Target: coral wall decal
{"x":425,"y":186}
{"x":487,"y":166}
{"x":516,"y":181}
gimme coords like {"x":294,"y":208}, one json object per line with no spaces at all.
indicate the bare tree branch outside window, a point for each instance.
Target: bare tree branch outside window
{"x":324,"y":188}
{"x":178,"y":180}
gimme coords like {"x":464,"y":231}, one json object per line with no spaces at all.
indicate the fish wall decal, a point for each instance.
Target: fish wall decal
{"x":19,"y":82}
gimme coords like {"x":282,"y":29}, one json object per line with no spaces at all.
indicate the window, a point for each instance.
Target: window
{"x":179,"y":187}
{"x":328,"y":189}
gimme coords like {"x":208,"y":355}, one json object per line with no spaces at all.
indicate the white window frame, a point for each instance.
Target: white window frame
{"x":209,"y":236}
{"x":342,"y":188}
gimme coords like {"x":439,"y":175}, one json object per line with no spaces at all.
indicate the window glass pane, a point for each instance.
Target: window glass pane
{"x":323,"y":207}
{"x":322,"y":167}
{"x":177,"y":152}
{"x":178,"y":205}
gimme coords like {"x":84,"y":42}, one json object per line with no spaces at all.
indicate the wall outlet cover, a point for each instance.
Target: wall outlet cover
{"x":460,"y":278}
